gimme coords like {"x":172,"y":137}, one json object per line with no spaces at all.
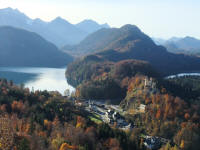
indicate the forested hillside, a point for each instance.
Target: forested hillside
{"x":47,"y":121}
{"x":104,"y":79}
{"x":129,"y":42}
{"x":23,"y":48}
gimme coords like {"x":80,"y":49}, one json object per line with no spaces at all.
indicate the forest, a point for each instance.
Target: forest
{"x":103,"y":79}
{"x":42,"y":120}
{"x":171,"y":105}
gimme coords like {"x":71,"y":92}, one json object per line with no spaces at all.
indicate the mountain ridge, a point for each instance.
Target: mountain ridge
{"x":21,"y":48}
{"x":65,"y":33}
{"x":91,"y":26}
{"x":129,"y":42}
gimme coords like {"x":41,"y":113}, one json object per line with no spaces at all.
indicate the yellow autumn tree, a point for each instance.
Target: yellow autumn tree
{"x":56,"y":142}
{"x":66,"y":146}
{"x":182,"y":145}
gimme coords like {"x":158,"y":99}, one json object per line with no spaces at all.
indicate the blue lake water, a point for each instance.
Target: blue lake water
{"x":51,"y":79}
{"x":183,"y":74}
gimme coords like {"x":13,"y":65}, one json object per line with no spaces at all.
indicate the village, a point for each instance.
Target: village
{"x":110,"y":114}
{"x":114,"y":115}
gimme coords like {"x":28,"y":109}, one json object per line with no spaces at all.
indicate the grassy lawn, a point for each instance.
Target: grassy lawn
{"x":95,"y":118}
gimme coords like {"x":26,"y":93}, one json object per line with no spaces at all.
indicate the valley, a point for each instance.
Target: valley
{"x":90,"y":86}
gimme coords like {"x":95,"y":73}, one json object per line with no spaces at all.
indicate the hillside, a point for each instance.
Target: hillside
{"x":128,"y":42}
{"x":58,"y":31}
{"x":103,"y":79}
{"x":44,"y":120}
{"x":162,"y":114}
{"x":159,"y":108}
{"x":22,"y":48}
{"x":110,"y":38}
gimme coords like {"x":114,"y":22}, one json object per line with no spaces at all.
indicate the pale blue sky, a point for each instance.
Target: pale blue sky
{"x":157,"y":18}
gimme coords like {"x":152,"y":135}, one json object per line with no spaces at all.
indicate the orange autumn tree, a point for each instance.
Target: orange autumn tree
{"x":112,"y":143}
{"x":158,"y":114}
{"x":66,"y":146}
{"x":6,"y":133}
{"x":80,"y":122}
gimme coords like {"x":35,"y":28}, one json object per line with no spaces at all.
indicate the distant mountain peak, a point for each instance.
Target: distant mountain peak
{"x":13,"y":12}
{"x":90,"y":21}
{"x":90,"y":26}
{"x":105,"y":25}
{"x":189,"y":38}
{"x":7,"y":9}
{"x":38,"y":20}
{"x":58,"y":30}
{"x":57,"y":19}
{"x":10,"y":10}
{"x":60,"y":20}
{"x":130,"y":27}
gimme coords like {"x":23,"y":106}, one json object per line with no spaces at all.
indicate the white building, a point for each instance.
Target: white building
{"x":142,"y":108}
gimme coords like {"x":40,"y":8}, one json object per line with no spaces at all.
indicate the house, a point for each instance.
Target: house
{"x":142,"y":108}
{"x":127,"y":127}
{"x":149,"y":83}
{"x":67,"y":93}
{"x":152,"y":142}
{"x":109,"y":116}
{"x":79,"y":103}
{"x":113,"y":116}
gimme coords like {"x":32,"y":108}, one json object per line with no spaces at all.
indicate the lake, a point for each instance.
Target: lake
{"x":183,"y":74}
{"x":50,"y":79}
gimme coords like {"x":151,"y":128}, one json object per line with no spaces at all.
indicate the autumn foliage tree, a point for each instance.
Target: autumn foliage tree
{"x":6,"y":133}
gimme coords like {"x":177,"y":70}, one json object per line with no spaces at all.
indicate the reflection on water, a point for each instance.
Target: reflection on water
{"x":51,"y":79}
{"x":17,"y":77}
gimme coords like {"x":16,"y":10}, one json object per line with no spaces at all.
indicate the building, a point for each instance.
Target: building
{"x":79,"y":103}
{"x":149,"y":83}
{"x":112,"y":117}
{"x":152,"y":142}
{"x":142,"y":108}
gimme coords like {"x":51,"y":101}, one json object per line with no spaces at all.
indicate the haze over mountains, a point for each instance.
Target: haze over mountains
{"x":58,"y":31}
{"x":20,"y":48}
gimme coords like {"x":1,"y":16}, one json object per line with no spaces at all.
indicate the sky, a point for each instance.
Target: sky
{"x":157,"y":18}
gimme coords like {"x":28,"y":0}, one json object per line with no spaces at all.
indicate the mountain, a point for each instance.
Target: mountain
{"x":110,"y":38}
{"x":129,"y":42}
{"x":188,"y":45}
{"x":99,"y":79}
{"x":161,"y":41}
{"x":90,"y":26}
{"x":64,"y":32}
{"x":58,"y":31}
{"x":23,"y":48}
